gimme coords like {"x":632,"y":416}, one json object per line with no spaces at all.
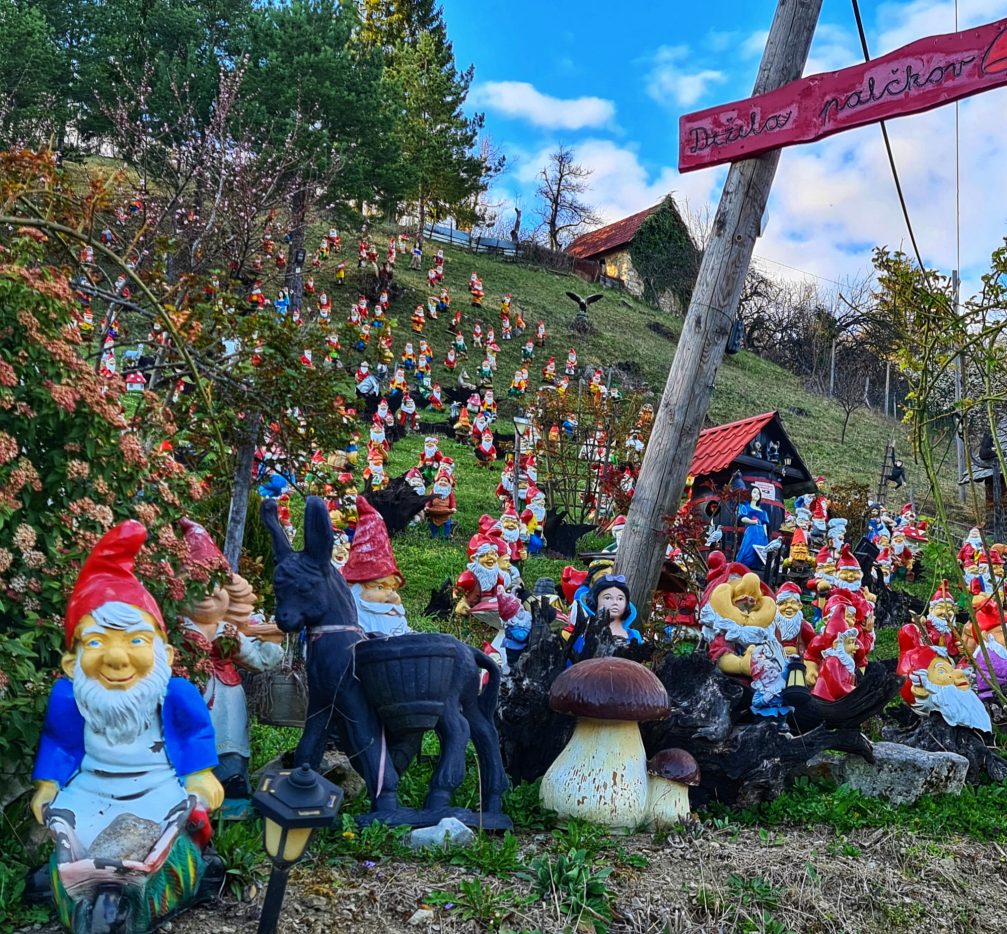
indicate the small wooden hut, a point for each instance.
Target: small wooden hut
{"x":756,"y":451}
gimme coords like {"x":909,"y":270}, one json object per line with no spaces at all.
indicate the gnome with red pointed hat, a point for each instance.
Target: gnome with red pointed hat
{"x":792,"y":629}
{"x":373,"y":575}
{"x":476,"y":586}
{"x":836,"y":675}
{"x":940,"y":618}
{"x":934,"y":685}
{"x":123,"y":742}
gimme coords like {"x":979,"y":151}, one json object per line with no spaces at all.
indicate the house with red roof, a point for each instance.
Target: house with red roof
{"x":609,"y":248}
{"x":754,"y":451}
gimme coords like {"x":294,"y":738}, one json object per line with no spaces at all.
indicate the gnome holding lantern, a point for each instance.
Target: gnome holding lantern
{"x":374,"y":577}
{"x":127,"y":751}
{"x":793,"y":630}
{"x":934,"y":685}
{"x":211,"y":628}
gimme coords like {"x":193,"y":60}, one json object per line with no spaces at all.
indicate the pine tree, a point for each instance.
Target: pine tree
{"x":439,"y":169}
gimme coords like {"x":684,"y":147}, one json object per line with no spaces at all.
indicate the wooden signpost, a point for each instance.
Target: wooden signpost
{"x":917,"y":77}
{"x":784,"y":109}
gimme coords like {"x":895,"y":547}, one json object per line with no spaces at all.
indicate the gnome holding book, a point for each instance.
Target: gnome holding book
{"x":127,"y":751}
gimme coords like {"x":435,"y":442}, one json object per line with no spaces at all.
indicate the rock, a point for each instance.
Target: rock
{"x":127,"y":837}
{"x":422,"y":915}
{"x":901,"y":774}
{"x":449,"y":831}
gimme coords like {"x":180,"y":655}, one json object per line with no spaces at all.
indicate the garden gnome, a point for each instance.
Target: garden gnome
{"x":986,"y":633}
{"x":212,"y":630}
{"x":940,"y":616}
{"x":793,"y":630}
{"x":127,"y":751}
{"x":441,"y":509}
{"x":374,"y":577}
{"x":746,"y":643}
{"x":476,"y":586}
{"x":934,"y":685}
{"x":486,"y":452}
{"x":971,"y":548}
{"x":837,"y":674}
{"x":430,"y":458}
{"x":516,"y":621}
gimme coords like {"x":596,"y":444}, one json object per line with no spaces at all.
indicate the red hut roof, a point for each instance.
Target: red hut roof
{"x":611,"y":237}
{"x":717,"y":447}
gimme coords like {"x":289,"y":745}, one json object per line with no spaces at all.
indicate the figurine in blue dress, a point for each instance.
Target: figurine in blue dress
{"x":755,"y":519}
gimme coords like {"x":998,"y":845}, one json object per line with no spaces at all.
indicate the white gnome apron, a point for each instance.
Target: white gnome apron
{"x":126,"y":778}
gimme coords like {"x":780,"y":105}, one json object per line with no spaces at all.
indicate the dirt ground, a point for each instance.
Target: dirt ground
{"x":717,"y":882}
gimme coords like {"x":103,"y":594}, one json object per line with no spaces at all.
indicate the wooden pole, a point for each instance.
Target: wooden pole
{"x":708,"y":323}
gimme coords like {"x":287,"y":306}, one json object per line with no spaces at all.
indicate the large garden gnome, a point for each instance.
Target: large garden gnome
{"x":374,"y":577}
{"x":208,"y":630}
{"x":127,"y":751}
{"x":934,"y":685}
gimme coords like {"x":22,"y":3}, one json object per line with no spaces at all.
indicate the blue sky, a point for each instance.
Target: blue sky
{"x":611,"y":81}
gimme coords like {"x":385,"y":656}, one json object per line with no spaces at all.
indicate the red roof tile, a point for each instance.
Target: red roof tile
{"x":606,"y":239}
{"x":717,"y":447}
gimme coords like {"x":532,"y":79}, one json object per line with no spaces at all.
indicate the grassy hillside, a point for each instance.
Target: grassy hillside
{"x":643,"y":339}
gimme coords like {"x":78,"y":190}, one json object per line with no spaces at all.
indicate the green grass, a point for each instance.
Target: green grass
{"x":745,"y":385}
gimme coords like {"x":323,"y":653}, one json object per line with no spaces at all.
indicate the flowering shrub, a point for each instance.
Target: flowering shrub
{"x":70,"y":468}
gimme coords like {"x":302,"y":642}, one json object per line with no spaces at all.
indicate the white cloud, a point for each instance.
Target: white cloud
{"x":755,"y":44}
{"x":620,"y":184}
{"x":522,"y":101}
{"x":669,"y":81}
{"x":833,"y":48}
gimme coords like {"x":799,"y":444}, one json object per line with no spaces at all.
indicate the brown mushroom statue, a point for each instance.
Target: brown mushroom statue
{"x":601,"y":774}
{"x":669,"y":775}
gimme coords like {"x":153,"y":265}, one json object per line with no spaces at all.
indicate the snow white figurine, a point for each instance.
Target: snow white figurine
{"x":755,"y":519}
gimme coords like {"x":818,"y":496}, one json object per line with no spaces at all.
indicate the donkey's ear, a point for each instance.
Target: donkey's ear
{"x":318,"y":537}
{"x":271,"y":520}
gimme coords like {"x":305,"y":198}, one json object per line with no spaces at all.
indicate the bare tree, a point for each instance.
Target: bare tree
{"x":561,"y":184}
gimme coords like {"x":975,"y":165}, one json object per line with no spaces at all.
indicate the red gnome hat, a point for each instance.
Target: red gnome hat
{"x":107,"y":576}
{"x":846,"y":558}
{"x":788,"y":591}
{"x":509,"y":606}
{"x":371,"y":555}
{"x":203,"y":549}
{"x":913,"y":653}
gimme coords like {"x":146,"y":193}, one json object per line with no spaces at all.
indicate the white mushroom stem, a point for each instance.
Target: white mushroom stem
{"x":667,"y":804}
{"x":601,"y":775}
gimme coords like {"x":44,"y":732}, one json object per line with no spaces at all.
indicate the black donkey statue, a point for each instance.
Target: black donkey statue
{"x":381,"y":695}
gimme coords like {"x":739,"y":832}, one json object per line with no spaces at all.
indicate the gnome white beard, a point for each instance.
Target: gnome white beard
{"x":510,"y":535}
{"x":486,"y":578}
{"x":122,"y":715}
{"x":957,"y":707}
{"x":789,"y":627}
{"x":939,"y":623}
{"x":379,"y":617}
{"x":538,"y":511}
{"x":840,"y":652}
{"x":851,"y":586}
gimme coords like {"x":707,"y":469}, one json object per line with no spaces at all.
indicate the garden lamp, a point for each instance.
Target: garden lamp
{"x":797,"y":685}
{"x":292,"y":802}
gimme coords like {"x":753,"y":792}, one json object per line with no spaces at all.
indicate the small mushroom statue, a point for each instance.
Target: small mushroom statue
{"x":601,"y":774}
{"x":670,"y":773}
